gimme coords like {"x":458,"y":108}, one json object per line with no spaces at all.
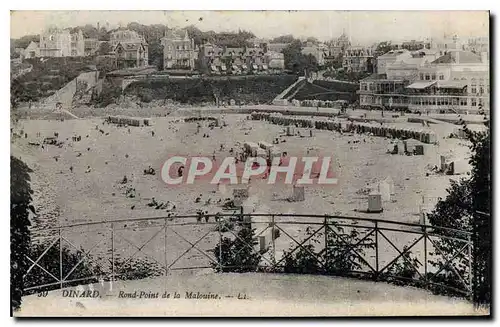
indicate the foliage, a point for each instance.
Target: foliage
{"x":283,"y":39}
{"x":304,"y":260}
{"x":109,"y":94}
{"x":224,"y":39}
{"x":383,"y":47}
{"x":104,"y":48}
{"x":403,"y":271}
{"x":312,"y":39}
{"x":51,"y":263}
{"x":296,"y":61}
{"x":341,"y":257}
{"x":137,"y":268}
{"x":242,"y":88}
{"x":47,"y":77}
{"x":345,"y":249}
{"x":350,"y":76}
{"x":22,"y":42}
{"x":463,"y":209}
{"x":146,"y":95}
{"x":237,"y":255}
{"x":20,"y":238}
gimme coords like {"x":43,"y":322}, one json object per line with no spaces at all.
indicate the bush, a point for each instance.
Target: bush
{"x":402,"y":272}
{"x":237,"y":255}
{"x":109,"y":94}
{"x":20,"y":237}
{"x":51,"y":263}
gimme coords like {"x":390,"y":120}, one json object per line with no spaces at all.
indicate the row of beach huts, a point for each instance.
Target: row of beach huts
{"x":362,"y":128}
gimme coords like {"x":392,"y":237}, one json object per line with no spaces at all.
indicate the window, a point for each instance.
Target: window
{"x":463,"y":101}
{"x":480,"y":102}
{"x":473,"y":89}
{"x":427,"y":77}
{"x":481,"y":89}
{"x":473,"y":102}
{"x":441,"y":77}
{"x":433,"y":77}
{"x":421,"y":76}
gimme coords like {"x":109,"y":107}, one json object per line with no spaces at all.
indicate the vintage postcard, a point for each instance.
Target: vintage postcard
{"x":250,"y":163}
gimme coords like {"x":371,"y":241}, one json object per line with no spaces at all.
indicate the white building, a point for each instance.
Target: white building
{"x":389,"y":58}
{"x":458,"y":81}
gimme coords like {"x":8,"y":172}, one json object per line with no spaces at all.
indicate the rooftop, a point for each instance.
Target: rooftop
{"x":458,"y":57}
{"x":394,"y":53}
{"x":375,"y":77}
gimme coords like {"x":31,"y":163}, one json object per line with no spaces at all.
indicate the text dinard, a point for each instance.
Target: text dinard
{"x":167,"y":295}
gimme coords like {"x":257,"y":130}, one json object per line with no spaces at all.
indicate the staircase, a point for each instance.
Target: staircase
{"x":280,"y":98}
{"x":78,"y":88}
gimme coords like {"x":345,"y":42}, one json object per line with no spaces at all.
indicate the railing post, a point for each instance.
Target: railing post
{"x":469,"y":252}
{"x":112,"y":255}
{"x":425,"y":258}
{"x":220,"y":244}
{"x":376,"y":251}
{"x":165,"y":253}
{"x":274,"y":243}
{"x":325,"y":226}
{"x":60,"y":259}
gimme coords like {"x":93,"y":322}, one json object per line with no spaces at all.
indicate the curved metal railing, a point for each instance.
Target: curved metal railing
{"x":168,"y":243}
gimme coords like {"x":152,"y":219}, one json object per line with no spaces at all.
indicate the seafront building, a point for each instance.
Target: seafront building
{"x":429,"y":80}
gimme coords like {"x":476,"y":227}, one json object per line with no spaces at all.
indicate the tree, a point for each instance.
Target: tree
{"x":312,"y":39}
{"x":467,"y":207}
{"x":104,"y":48}
{"x":296,"y":61}
{"x":383,"y":47}
{"x":103,"y":34}
{"x":24,"y":41}
{"x":237,"y":255}
{"x":283,"y":39}
{"x":20,"y":238}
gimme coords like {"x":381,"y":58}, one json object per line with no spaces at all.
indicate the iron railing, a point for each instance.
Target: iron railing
{"x":105,"y":243}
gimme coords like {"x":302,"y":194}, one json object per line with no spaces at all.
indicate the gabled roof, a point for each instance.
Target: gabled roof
{"x":129,"y":46}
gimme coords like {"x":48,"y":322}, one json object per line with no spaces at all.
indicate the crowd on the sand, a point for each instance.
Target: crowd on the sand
{"x":42,"y":142}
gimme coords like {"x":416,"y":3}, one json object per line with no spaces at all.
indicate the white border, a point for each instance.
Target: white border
{"x":195,"y":5}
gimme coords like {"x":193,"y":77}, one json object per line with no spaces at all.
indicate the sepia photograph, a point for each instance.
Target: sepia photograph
{"x":250,"y":163}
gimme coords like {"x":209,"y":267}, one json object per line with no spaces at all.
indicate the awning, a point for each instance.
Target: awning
{"x":223,"y":67}
{"x":213,"y":68}
{"x":254,"y":66}
{"x":264,"y":67}
{"x":421,"y":85}
{"x":452,"y":85}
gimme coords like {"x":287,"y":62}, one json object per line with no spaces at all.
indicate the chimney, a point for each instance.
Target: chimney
{"x":98,"y":29}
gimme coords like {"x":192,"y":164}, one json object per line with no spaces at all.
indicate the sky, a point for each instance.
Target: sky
{"x":364,"y":27}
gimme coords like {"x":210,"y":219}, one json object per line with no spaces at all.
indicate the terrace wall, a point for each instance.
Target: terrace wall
{"x":246,"y":89}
